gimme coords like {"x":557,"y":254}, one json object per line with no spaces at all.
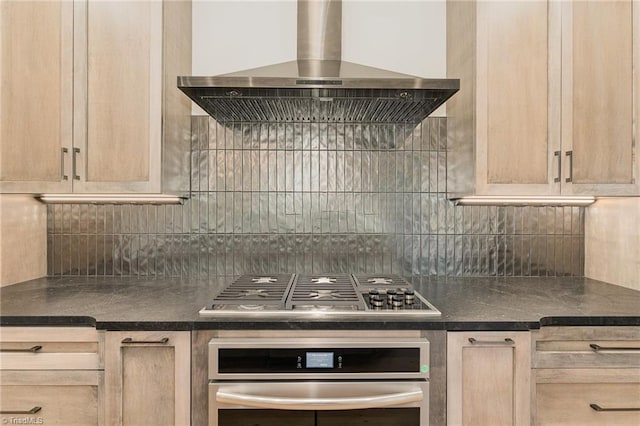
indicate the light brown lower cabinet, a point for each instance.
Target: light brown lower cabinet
{"x":147,"y":378}
{"x":51,"y":376}
{"x":64,"y":398}
{"x":488,"y":378}
{"x":588,"y":397}
{"x":587,"y":376}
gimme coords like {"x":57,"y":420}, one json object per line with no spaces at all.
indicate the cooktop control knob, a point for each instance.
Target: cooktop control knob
{"x":390,"y":295}
{"x":409,"y":297}
{"x":397,"y":301}
{"x":376,"y":301}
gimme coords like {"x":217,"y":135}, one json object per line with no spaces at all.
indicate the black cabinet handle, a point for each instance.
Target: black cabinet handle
{"x":598,"y":348}
{"x":31,"y":349}
{"x":506,"y":341}
{"x":596,"y":407}
{"x":129,"y":340}
{"x":32,"y":411}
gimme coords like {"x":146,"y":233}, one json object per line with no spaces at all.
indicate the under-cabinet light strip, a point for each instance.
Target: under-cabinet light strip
{"x":578,"y":201}
{"x":110,"y":199}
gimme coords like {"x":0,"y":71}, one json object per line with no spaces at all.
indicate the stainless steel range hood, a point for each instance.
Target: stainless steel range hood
{"x":318,"y":86}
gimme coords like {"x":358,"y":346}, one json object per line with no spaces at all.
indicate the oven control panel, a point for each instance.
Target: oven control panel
{"x":319,"y":360}
{"x":266,"y":358}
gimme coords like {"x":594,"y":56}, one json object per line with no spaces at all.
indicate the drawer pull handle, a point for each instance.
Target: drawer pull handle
{"x":32,"y":411}
{"x":596,"y":407}
{"x":506,"y":341}
{"x":598,"y":348}
{"x":129,"y":340}
{"x":31,"y":349}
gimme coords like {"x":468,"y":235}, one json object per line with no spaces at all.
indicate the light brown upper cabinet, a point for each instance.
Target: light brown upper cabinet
{"x":600,"y":90}
{"x":549,"y":96}
{"x":125,"y":125}
{"x":36,"y":95}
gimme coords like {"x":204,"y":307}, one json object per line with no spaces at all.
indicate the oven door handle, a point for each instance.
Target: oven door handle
{"x":341,"y":403}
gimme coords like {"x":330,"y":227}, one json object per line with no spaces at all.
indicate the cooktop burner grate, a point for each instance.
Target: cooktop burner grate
{"x":256,"y":290}
{"x":322,"y":291}
{"x":380,"y":280}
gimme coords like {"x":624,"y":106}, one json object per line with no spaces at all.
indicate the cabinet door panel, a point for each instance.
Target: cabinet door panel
{"x":146,"y":368}
{"x":35,"y":94}
{"x":480,"y":380}
{"x":119,"y":90}
{"x":602,"y":92}
{"x":600,"y":97}
{"x":516,"y":91}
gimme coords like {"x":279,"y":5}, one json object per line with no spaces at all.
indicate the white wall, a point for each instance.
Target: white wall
{"x":402,"y":36}
{"x":233,"y":35}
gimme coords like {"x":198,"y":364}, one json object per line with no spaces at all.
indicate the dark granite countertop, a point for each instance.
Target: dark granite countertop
{"x":173,"y":304}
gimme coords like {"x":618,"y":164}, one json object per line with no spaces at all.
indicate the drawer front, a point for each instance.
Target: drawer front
{"x":42,"y":348}
{"x":569,"y":404}
{"x":587,"y":347}
{"x":49,"y":404}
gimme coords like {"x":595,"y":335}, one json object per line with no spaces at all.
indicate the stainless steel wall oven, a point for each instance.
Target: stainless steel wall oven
{"x":318,"y":381}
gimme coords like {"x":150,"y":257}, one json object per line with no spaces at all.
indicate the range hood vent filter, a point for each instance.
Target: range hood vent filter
{"x":326,"y":105}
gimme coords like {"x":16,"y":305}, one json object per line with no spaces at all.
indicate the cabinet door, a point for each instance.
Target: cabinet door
{"x":516,"y":127}
{"x":488,"y":378}
{"x":505,"y":120}
{"x":118,"y":93}
{"x":36,"y":96}
{"x":601,"y":95}
{"x":147,"y":378}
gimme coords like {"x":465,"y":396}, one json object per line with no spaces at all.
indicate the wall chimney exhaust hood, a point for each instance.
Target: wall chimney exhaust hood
{"x":318,"y":86}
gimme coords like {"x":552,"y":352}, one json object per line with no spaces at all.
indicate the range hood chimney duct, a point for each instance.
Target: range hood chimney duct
{"x":319,"y":38}
{"x":318,"y":85}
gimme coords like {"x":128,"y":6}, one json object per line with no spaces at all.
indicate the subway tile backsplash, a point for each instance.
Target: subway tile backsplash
{"x":316,"y":197}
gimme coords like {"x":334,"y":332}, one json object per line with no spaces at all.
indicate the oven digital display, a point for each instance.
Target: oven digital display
{"x":319,"y":360}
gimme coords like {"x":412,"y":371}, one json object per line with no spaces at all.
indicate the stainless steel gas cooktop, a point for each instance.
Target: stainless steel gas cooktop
{"x":316,"y":296}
